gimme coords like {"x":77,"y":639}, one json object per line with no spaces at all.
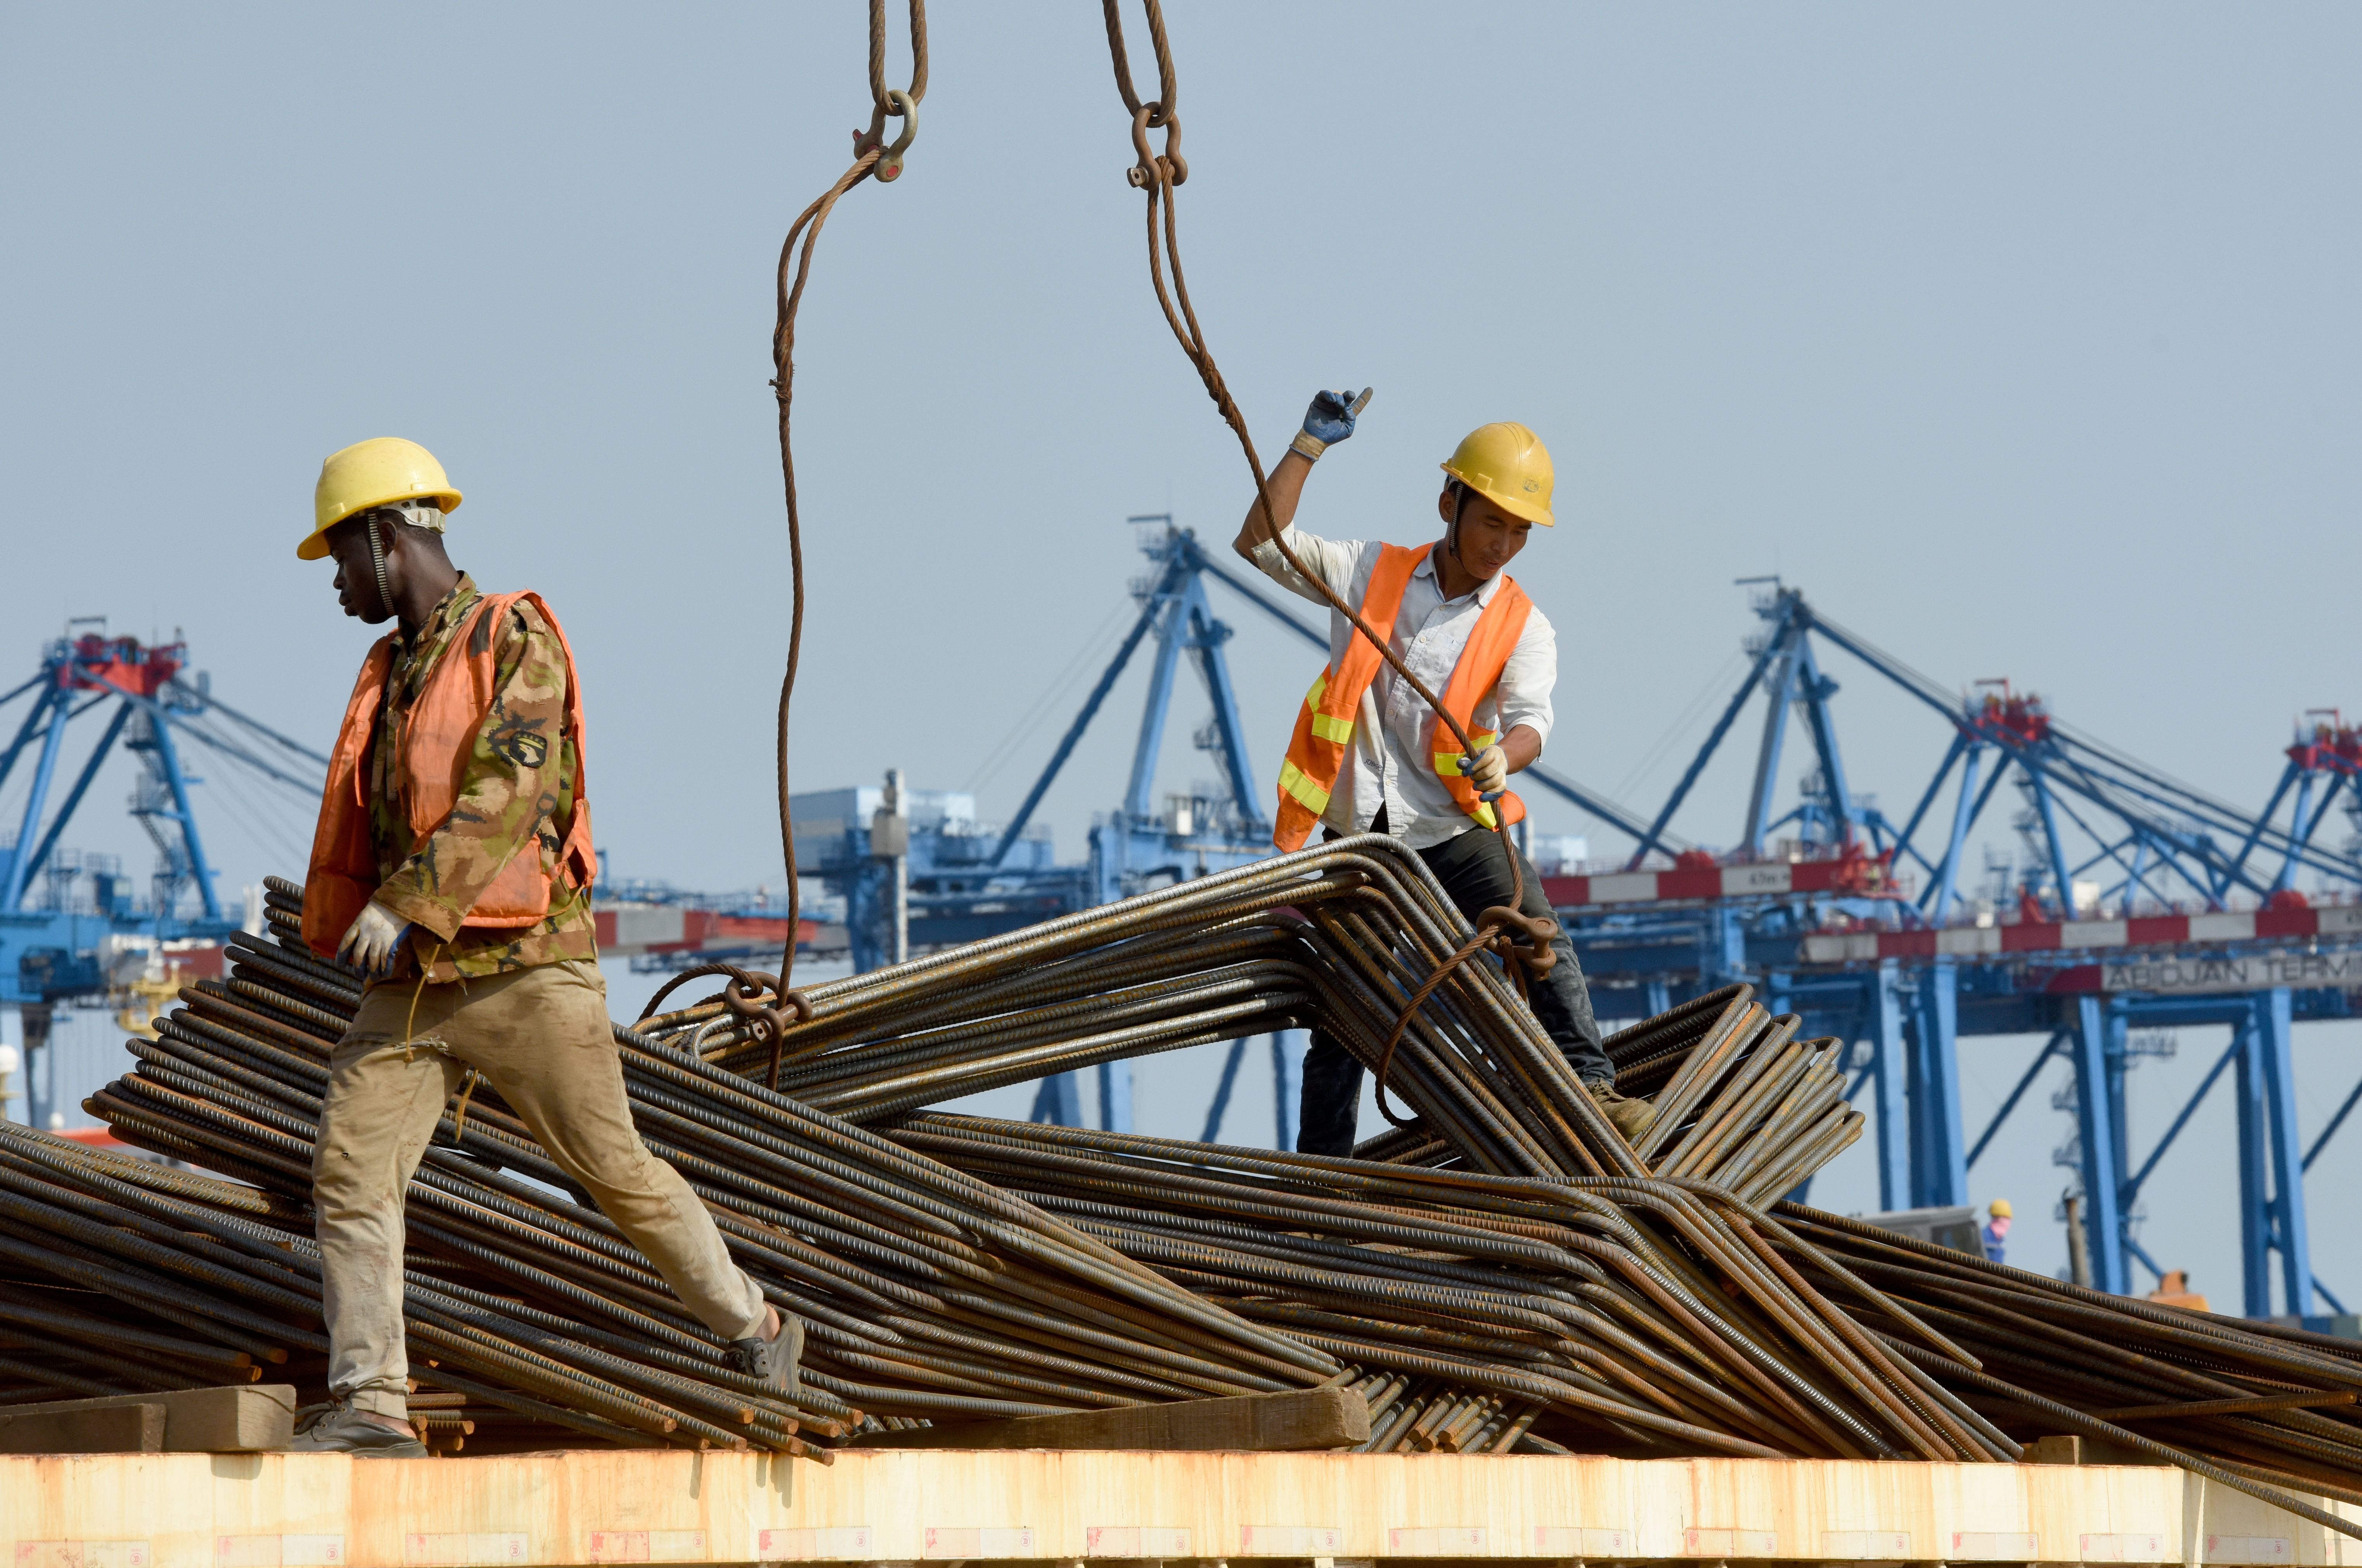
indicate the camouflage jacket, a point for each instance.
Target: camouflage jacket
{"x":518,"y":787}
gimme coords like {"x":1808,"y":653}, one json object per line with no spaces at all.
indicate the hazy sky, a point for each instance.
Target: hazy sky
{"x":2023,"y":338}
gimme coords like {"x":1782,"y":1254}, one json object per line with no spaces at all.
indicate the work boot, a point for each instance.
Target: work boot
{"x":776,"y":1361}
{"x":338,"y":1428}
{"x":1631,"y":1115}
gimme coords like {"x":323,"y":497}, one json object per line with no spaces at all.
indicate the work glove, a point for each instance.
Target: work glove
{"x":1329,"y":421}
{"x":1488,"y":770}
{"x":373,"y":939}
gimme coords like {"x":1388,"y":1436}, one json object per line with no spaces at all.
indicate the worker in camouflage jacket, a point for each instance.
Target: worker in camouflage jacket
{"x":453,"y":864}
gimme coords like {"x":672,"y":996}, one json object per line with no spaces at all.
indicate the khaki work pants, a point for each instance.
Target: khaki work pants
{"x":541,"y":1037}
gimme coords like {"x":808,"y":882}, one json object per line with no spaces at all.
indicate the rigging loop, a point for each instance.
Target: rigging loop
{"x":766,"y":1008}
{"x":902,"y":107}
{"x":1169,"y":168}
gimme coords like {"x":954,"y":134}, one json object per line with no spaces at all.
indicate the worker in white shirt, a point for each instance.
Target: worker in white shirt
{"x":1369,"y":756}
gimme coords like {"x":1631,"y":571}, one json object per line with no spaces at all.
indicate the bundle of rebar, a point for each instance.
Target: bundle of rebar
{"x":1339,"y":937}
{"x":1740,"y":1101}
{"x":926,"y":1293}
{"x":122,"y":1276}
{"x":1336,"y":936}
{"x":72,"y":1324}
{"x":2256,"y":1406}
{"x":1478,"y":1291}
{"x":913,"y":1317}
{"x":1667,"y":1315}
{"x":1614,"y":1314}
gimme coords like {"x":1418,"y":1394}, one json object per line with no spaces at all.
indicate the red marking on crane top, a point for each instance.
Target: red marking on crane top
{"x":119,"y":664}
{"x":2011,"y":718}
{"x":2334,"y":745}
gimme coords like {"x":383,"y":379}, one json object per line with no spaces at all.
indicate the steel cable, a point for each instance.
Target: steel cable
{"x":872,"y":158}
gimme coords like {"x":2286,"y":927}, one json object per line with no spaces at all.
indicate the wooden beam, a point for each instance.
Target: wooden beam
{"x":246,"y":1419}
{"x":105,"y":1427}
{"x":1312,"y":1419}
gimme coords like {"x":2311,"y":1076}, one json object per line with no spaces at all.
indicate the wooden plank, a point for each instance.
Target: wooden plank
{"x":567,"y":1508}
{"x":248,"y":1419}
{"x":103,"y":1427}
{"x":1255,"y":1423}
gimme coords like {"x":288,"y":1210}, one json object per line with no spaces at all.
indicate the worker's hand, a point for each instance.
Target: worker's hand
{"x":1330,"y":418}
{"x":373,"y":939}
{"x":1488,"y":770}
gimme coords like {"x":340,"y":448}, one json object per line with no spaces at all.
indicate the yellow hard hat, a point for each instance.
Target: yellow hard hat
{"x":373,"y":473}
{"x":1508,"y":466}
{"x":2000,"y":1209}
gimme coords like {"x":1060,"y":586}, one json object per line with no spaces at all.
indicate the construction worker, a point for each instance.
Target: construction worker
{"x":1369,"y":756}
{"x":453,"y":862}
{"x":1995,"y":1231}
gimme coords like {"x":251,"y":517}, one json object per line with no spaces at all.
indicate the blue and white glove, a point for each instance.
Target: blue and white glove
{"x":1329,"y":421}
{"x":1488,"y":770}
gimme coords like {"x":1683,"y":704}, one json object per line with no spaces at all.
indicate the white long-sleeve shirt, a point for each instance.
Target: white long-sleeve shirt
{"x":1391,"y":761}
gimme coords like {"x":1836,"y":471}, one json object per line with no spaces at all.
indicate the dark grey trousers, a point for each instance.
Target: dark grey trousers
{"x":1474,"y":871}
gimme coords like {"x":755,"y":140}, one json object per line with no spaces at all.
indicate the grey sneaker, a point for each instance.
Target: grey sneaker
{"x":776,"y":1361}
{"x":339,"y":1429}
{"x":1629,"y":1114}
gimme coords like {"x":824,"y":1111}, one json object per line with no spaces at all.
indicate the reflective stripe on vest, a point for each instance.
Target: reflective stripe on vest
{"x":1292,"y":780}
{"x":1447,"y":768}
{"x":1447,"y":763}
{"x":1328,"y":727}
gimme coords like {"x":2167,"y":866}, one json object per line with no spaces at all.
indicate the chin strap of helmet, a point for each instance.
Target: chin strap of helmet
{"x":377,"y":563}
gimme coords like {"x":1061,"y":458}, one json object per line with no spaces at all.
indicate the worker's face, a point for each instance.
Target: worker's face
{"x":1489,"y":538}
{"x":356,"y":577}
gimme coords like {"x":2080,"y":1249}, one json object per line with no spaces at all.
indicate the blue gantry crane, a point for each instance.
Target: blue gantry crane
{"x":2140,"y":902}
{"x":63,"y":916}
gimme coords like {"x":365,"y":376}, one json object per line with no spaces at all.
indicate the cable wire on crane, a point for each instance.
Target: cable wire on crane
{"x":767,"y":1000}
{"x":1095,"y":647}
{"x":1158,"y":175}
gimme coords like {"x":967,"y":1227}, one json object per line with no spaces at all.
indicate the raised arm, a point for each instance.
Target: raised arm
{"x":1286,"y":488}
{"x":1329,"y":421}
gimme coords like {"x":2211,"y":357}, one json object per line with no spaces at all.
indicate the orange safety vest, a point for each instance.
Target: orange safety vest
{"x":1316,"y":753}
{"x":439,"y":740}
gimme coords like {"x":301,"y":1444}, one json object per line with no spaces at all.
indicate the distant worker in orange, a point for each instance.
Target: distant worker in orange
{"x":453,"y":862}
{"x":1369,"y":756}
{"x":1996,"y":1229}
